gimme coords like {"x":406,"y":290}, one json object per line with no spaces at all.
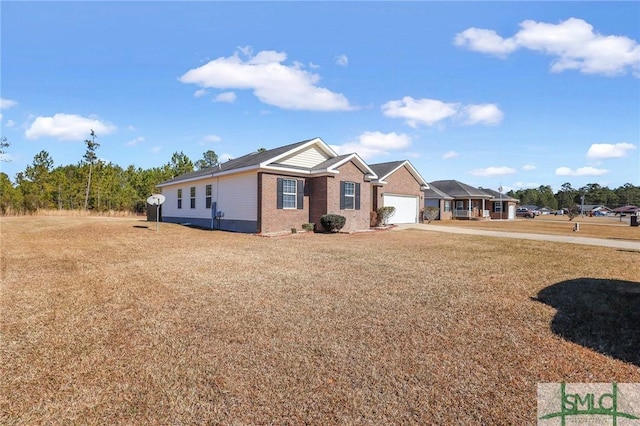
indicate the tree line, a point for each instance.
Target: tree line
{"x":93,"y":184}
{"x":568,"y":197}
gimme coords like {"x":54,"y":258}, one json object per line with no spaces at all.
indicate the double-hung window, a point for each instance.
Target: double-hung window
{"x":290,"y":193}
{"x":447,"y":205}
{"x":497,"y":206}
{"x":193,"y":197}
{"x":207,"y":194}
{"x":180,"y":198}
{"x":349,"y":195}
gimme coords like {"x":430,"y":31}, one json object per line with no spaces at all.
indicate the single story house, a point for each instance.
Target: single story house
{"x":275,"y":190}
{"x":628,"y":209}
{"x":501,"y":206}
{"x":433,"y":197}
{"x":457,"y":200}
{"x":401,"y":186}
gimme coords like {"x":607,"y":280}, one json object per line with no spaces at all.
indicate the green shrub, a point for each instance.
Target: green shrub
{"x":384,"y":213}
{"x":333,"y":222}
{"x":308,"y":226}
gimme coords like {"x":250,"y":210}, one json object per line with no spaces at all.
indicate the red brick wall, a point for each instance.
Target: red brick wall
{"x":356,"y":219}
{"x":273,"y":219}
{"x":322,"y":196}
{"x":401,"y":182}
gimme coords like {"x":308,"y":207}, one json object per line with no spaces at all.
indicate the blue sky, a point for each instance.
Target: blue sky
{"x":514,"y":93}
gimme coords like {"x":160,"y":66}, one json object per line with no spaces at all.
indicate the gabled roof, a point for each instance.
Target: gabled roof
{"x":497,"y":195}
{"x":627,"y":208}
{"x":384,"y":170}
{"x":434,"y":192}
{"x":271,"y":159}
{"x":457,"y":189}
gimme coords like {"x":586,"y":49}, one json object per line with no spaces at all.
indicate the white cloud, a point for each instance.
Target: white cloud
{"x":155,"y":149}
{"x":7,"y":103}
{"x":135,"y":141}
{"x":342,"y":60}
{"x":485,"y":41}
{"x":371,"y":144}
{"x":272,"y":82}
{"x":67,"y":127}
{"x":529,"y":167}
{"x":493,"y":171}
{"x":419,"y":111}
{"x":10,"y":123}
{"x":573,"y":44}
{"x":228,"y":97}
{"x":449,"y":155}
{"x":429,"y":112}
{"x":210,"y":139}
{"x":582,"y":171}
{"x":488,"y":114}
{"x":609,"y":150}
{"x":200,"y":93}
{"x":523,"y":185}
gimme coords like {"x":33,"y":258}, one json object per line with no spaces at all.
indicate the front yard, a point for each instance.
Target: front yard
{"x":106,"y":321}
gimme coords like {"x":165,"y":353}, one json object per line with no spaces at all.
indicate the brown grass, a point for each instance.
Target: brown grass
{"x":598,"y":227}
{"x":104,"y":321}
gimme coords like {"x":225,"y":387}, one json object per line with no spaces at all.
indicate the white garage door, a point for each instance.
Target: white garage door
{"x":406,"y":208}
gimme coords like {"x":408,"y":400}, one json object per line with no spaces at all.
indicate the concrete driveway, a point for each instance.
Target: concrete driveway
{"x":619,"y":244}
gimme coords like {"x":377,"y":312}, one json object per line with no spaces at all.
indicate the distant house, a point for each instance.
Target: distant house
{"x":628,"y":209}
{"x":398,"y":185}
{"x":433,"y":197}
{"x":501,"y":206}
{"x":458,"y":200}
{"x":275,"y":190}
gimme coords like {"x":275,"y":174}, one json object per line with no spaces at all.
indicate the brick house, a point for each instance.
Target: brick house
{"x":398,"y":185}
{"x":274,"y":190}
{"x":457,"y":200}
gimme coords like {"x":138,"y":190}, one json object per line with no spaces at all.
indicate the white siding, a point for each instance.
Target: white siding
{"x":310,"y":157}
{"x":236,"y":196}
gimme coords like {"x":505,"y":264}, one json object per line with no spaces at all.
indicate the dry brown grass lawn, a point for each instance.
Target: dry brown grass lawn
{"x":104,"y":321}
{"x":598,"y":227}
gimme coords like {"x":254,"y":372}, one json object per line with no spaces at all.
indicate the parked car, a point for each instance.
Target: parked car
{"x":525,"y":212}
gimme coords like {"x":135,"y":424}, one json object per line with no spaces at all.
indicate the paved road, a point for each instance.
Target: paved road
{"x":619,"y":244}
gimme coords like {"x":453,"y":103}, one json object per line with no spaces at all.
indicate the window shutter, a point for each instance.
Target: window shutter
{"x":279,"y":195}
{"x":300,"y":194}
{"x":342,"y":195}
{"x":357,"y":196}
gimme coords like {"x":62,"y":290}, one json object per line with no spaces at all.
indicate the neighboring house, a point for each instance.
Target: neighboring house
{"x":274,"y":190}
{"x":628,"y":209}
{"x":457,"y":200}
{"x":433,"y":197}
{"x":501,"y":206}
{"x":596,"y":210}
{"x":401,"y":186}
{"x":467,"y":202}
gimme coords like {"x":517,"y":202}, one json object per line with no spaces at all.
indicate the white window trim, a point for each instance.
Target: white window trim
{"x":285,"y":194}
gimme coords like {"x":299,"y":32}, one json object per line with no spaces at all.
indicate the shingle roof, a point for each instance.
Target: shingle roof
{"x":457,"y":189}
{"x":497,"y":195}
{"x":252,"y":159}
{"x":434,"y":192}
{"x":383,"y":169}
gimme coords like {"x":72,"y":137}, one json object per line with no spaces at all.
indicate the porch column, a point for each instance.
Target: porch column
{"x":483,"y":207}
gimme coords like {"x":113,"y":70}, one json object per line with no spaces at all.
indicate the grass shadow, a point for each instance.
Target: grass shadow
{"x":600,"y":314}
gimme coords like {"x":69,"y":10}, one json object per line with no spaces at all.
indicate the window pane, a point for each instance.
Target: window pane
{"x":288,"y":201}
{"x":208,"y":190}
{"x":348,"y":202}
{"x":349,"y":188}
{"x":289,"y":192}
